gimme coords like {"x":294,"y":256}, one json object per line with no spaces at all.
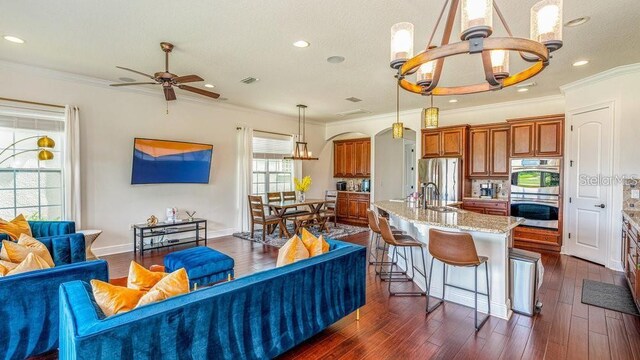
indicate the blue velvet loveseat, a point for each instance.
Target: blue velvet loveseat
{"x":29,"y":303}
{"x":259,"y":316}
{"x":43,"y":229}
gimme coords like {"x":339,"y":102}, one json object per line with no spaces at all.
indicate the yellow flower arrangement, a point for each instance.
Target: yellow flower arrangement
{"x":302,"y":185}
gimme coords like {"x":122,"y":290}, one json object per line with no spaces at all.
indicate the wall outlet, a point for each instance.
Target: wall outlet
{"x":635,"y":194}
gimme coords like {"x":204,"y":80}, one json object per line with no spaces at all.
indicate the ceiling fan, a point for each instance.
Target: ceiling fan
{"x":169,"y":80}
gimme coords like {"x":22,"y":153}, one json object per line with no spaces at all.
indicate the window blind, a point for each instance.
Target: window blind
{"x":271,"y":146}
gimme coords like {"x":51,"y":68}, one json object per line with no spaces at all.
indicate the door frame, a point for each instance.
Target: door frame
{"x":613,"y":247}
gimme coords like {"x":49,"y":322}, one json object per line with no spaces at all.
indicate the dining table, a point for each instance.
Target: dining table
{"x":282,"y":208}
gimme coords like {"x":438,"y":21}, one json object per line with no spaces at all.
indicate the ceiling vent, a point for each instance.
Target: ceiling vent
{"x":353,"y":99}
{"x":354,"y":112}
{"x":249,"y":80}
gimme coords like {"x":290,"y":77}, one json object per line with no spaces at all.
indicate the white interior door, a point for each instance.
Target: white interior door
{"x":409,"y":167}
{"x":589,"y":184}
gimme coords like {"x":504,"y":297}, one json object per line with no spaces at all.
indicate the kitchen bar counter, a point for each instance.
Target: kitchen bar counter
{"x":456,"y":219}
{"x":491,"y":235}
{"x":499,"y":199}
{"x":633,"y":216}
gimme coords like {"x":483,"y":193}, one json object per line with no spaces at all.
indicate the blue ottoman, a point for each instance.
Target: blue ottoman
{"x":204,"y":265}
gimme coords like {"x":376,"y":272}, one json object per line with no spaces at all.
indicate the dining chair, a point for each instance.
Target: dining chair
{"x":329,"y":210}
{"x":273,"y":197}
{"x":256,"y":207}
{"x":288,"y":195}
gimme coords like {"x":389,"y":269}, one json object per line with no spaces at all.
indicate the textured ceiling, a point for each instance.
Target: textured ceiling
{"x":226,"y":41}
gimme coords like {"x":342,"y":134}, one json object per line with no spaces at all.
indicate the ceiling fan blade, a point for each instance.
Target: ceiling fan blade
{"x":140,"y":83}
{"x":199,"y":91}
{"x":169,"y":93}
{"x":135,"y":71}
{"x":187,"y":79}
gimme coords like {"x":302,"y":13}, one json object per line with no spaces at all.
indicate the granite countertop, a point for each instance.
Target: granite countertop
{"x":500,"y":199}
{"x":633,"y":216}
{"x":456,"y":219}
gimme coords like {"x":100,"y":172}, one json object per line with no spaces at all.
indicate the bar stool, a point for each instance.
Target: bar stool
{"x":404,"y":241}
{"x":457,"y":249}
{"x":374,"y":239}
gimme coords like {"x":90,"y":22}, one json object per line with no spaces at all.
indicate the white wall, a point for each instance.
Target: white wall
{"x":620,"y":86}
{"x":389,"y":160}
{"x":112,"y":117}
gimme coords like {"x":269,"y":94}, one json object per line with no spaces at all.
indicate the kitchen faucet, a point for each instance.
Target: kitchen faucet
{"x":436,"y":192}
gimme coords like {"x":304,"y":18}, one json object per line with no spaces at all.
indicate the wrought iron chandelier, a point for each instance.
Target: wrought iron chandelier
{"x":476,"y":29}
{"x":301,"y":150}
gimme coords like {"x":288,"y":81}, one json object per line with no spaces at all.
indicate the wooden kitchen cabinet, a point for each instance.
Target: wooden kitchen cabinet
{"x":488,"y":207}
{"x":489,"y":151}
{"x":540,"y":136}
{"x":444,"y":142}
{"x":352,"y":158}
{"x":631,"y":254}
{"x":352,"y":207}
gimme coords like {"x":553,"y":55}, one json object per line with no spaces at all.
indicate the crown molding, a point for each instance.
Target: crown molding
{"x":538,"y":100}
{"x":410,"y":112}
{"x":607,"y":74}
{"x":104,"y":84}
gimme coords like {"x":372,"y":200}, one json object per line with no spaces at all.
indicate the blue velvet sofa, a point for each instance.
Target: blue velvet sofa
{"x":29,"y":305}
{"x":259,"y":316}
{"x":41,"y":229}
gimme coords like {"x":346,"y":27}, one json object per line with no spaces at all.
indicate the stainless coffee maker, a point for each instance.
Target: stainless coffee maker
{"x":486,"y":191}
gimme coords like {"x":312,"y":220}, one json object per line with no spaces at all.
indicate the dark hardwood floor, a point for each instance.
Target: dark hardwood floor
{"x":398,"y":328}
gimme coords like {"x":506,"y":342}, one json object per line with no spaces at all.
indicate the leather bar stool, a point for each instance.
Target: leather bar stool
{"x":402,"y":241}
{"x":457,"y":249}
{"x":374,"y":240}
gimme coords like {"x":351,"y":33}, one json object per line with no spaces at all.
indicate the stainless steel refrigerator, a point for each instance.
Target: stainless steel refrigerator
{"x":445,"y":173}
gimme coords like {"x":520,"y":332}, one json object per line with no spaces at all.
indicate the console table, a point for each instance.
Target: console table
{"x":162,"y":230}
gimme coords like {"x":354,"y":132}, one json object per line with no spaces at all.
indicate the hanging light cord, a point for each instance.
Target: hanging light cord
{"x":304,"y":124}
{"x":398,"y":103}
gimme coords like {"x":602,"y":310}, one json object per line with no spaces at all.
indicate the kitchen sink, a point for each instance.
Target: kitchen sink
{"x":443,"y":209}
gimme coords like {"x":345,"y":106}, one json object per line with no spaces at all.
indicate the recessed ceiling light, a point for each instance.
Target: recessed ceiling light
{"x":301,"y":44}
{"x":577,"y":22}
{"x":453,"y":101}
{"x":13,"y":39}
{"x":523,"y":89}
{"x":581,"y":62}
{"x":209,"y":86}
{"x":335,"y":59}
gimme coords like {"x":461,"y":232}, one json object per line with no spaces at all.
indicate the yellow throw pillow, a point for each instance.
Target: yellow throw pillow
{"x":142,"y":279}
{"x":30,"y":263}
{"x":292,"y":251}
{"x":114,"y":299}
{"x":15,"y":227}
{"x":8,"y":265}
{"x":17,"y":252}
{"x":315,"y":245}
{"x":3,"y":270}
{"x":173,"y":284}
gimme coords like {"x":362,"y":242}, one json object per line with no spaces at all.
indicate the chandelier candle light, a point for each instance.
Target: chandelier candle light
{"x":431,"y":116}
{"x":476,"y":30}
{"x":301,"y":150}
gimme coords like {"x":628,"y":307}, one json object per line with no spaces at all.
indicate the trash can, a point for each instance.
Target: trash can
{"x":526,"y":274}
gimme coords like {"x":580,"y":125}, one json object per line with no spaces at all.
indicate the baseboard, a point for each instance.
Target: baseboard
{"x":220,"y":233}
{"x":123,"y":248}
{"x":113,"y":249}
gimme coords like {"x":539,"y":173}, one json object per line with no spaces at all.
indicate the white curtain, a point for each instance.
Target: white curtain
{"x":72,"y":209}
{"x":245,"y":173}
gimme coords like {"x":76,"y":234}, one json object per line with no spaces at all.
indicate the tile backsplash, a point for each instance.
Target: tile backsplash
{"x":504,"y":187}
{"x":627,"y":202}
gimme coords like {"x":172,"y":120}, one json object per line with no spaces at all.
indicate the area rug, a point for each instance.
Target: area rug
{"x":608,"y":296}
{"x":335,"y":232}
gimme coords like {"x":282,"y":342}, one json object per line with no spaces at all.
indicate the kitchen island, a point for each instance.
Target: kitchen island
{"x":492,"y":237}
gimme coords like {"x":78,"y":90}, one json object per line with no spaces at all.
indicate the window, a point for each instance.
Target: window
{"x":271,"y":172}
{"x":29,"y":186}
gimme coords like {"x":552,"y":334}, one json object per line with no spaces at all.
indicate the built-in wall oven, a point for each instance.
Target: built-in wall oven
{"x":535,"y":191}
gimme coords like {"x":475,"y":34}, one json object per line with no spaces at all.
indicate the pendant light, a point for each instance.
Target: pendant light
{"x":301,"y":150}
{"x":431,"y":116}
{"x":398,"y":127}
